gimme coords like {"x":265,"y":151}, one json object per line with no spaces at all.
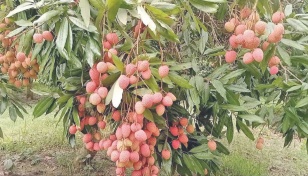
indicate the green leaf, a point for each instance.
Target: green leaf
{"x":293,"y":44}
{"x":204,"y":6}
{"x":284,"y":55}
{"x":230,"y":130}
{"x":16,"y":31}
{"x":297,"y":24}
{"x":199,"y":149}
{"x":113,"y":7}
{"x":245,"y":129}
{"x":189,"y":163}
{"x":118,"y":63}
{"x":23,"y":22}
{"x":252,"y":118}
{"x":42,"y":106}
{"x":82,"y":25}
{"x":233,"y":74}
{"x":204,"y":155}
{"x":76,"y":117}
{"x":288,"y":10}
{"x":85,"y":11}
{"x":111,"y":79}
{"x":302,"y":102}
{"x":152,"y":84}
{"x":20,"y":8}
{"x":148,"y":115}
{"x":12,"y":113}
{"x":219,"y":88}
{"x":62,"y":35}
{"x":300,"y":59}
{"x":47,"y":16}
{"x":231,"y":107}
{"x":179,"y":80}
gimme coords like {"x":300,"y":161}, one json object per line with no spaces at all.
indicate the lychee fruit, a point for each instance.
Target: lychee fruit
{"x":176,"y":144}
{"x":112,"y":38}
{"x":157,"y":97}
{"x":166,"y":154}
{"x":89,"y":145}
{"x":102,"y":92}
{"x":248,"y":58}
{"x":21,"y":56}
{"x":102,"y":67}
{"x":95,"y":99}
{"x":274,"y":70}
{"x":232,"y":41}
{"x":260,"y":140}
{"x":92,"y":120}
{"x":184,"y":121}
{"x":114,"y":155}
{"x":171,"y":95}
{"x":277,"y":17}
{"x":167,"y":101}
{"x":143,"y":65}
{"x":183,"y":138}
{"x":245,"y":12}
{"x":145,"y":150}
{"x":87,"y":138}
{"x":174,"y":130}
{"x":140,"y":135}
{"x":106,"y":45}
{"x":265,"y":45}
{"x":229,"y":26}
{"x":160,"y":109}
{"x":151,"y":127}
{"x":260,"y":27}
{"x":147,"y":100}
{"x":139,"y":108}
{"x":240,"y":29}
{"x":130,"y":69}
{"x":124,"y":156}
{"x":38,"y":38}
{"x":163,"y":71}
{"x":123,"y":81}
{"x":146,"y":74}
{"x":257,"y":54}
{"x":230,"y":56}
{"x":47,"y":35}
{"x":133,"y":79}
{"x":116,"y":115}
{"x":190,"y":129}
{"x":101,"y":124}
{"x":134,"y":156}
{"x":278,"y":29}
{"x":125,"y":130}
{"x":111,"y":52}
{"x":72,"y":129}
{"x":212,"y":145}
{"x":259,"y":146}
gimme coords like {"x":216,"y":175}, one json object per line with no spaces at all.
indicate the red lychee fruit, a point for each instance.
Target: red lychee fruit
{"x":92,"y":120}
{"x":123,"y":81}
{"x":140,"y":135}
{"x":176,"y":144}
{"x":134,"y":157}
{"x":72,"y":129}
{"x":89,"y":145}
{"x":166,"y":154}
{"x":151,"y":127}
{"x":163,"y":71}
{"x":111,"y":52}
{"x":87,"y":138}
{"x":143,"y":65}
{"x":257,"y":54}
{"x":171,"y":95}
{"x":95,"y":99}
{"x":184,"y":121}
{"x":116,"y":115}
{"x":101,"y":124}
{"x":147,"y":100}
{"x":146,"y":74}
{"x":101,"y":107}
{"x":114,"y":155}
{"x":274,"y":70}
{"x":167,"y":101}
{"x":230,"y":56}
{"x":239,"y":39}
{"x":160,"y":109}
{"x":47,"y":35}
{"x":183,"y":138}
{"x":248,"y":58}
{"x":279,"y":29}
{"x":38,"y":38}
{"x":135,"y":127}
{"x":21,"y":56}
{"x":125,"y":130}
{"x":145,"y":150}
{"x":260,"y":27}
{"x":229,"y":26}
{"x":106,"y":45}
{"x":245,"y":12}
{"x":212,"y":145}
{"x":130,"y":69}
{"x":232,"y":41}
{"x":190,"y":129}
{"x":174,"y":130}
{"x":102,"y":92}
{"x":157,"y":97}
{"x":259,"y":146}
{"x":265,"y":45}
{"x":139,"y":108}
{"x":240,"y":29}
{"x":112,"y":38}
{"x":277,"y":17}
{"x":102,"y":67}
{"x":124,"y":156}
{"x":274,"y":61}
{"x":133,"y":79}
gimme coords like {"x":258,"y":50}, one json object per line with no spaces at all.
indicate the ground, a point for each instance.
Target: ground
{"x":36,"y":147}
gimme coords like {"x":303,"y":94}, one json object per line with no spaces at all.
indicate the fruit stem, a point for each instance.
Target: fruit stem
{"x":256,"y":3}
{"x":291,"y":74}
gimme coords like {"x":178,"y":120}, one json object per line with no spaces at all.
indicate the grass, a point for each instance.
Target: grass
{"x":37,"y":147}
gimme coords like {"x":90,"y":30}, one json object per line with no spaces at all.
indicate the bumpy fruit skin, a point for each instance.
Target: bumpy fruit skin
{"x":166,"y":154}
{"x":106,"y":45}
{"x":116,"y":115}
{"x":139,"y":108}
{"x":140,"y":135}
{"x":232,"y":41}
{"x":160,"y":109}
{"x":130,"y":69}
{"x":123,"y":81}
{"x":87,"y":138}
{"x":167,"y":101}
{"x":265,"y":45}
{"x":212,"y":145}
{"x":102,"y":67}
{"x":21,"y":56}
{"x":143,"y":65}
{"x":125,"y":130}
{"x":240,"y":29}
{"x":260,"y":27}
{"x":174,"y":130}
{"x":114,"y":155}
{"x":184,"y":121}
{"x":47,"y":35}
{"x":102,"y":92}
{"x":95,"y":99}
{"x":257,"y":54}
{"x":260,"y":140}
{"x":101,"y":125}
{"x":73,"y":129}
{"x":183,"y":138}
{"x":112,"y":38}
{"x":278,"y":30}
{"x":245,"y":12}
{"x":274,"y":70}
{"x":277,"y":17}
{"x":176,"y":144}
{"x":92,"y":120}
{"x":190,"y":129}
{"x":134,"y":156}
{"x":124,"y":156}
{"x":157,"y":97}
{"x":171,"y":95}
{"x":146,"y":74}
{"x":133,"y":79}
{"x":274,"y":61}
{"x":38,"y":38}
{"x":230,"y":56}
{"x":163,"y":71}
{"x":247,"y":58}
{"x":147,"y":100}
{"x":145,"y":150}
{"x":229,"y":26}
{"x":111,"y":52}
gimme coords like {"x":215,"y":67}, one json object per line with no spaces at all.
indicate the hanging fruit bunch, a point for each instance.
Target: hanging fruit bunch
{"x":252,"y":36}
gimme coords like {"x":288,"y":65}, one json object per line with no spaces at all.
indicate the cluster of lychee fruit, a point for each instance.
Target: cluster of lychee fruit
{"x":248,"y":31}
{"x":17,"y":65}
{"x":177,"y":131}
{"x":40,"y":37}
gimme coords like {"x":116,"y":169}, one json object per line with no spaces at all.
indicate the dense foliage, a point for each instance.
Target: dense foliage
{"x":108,"y":61}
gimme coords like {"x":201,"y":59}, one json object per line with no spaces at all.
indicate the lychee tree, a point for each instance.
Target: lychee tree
{"x":147,"y":80}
